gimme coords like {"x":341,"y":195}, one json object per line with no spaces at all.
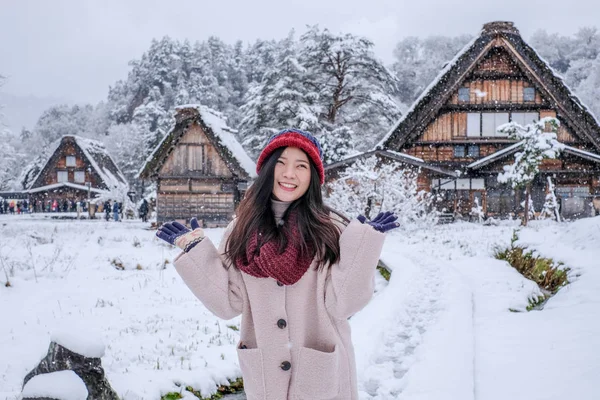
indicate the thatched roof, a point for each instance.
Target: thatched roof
{"x":221,"y":136}
{"x":96,"y":155}
{"x":391,"y":155}
{"x":551,"y":86}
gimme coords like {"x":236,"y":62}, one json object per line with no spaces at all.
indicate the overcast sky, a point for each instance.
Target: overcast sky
{"x":75,"y":49}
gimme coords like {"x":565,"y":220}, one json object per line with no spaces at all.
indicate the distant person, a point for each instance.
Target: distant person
{"x":107,"y":209}
{"x":144,"y":211}
{"x":115,"y":211}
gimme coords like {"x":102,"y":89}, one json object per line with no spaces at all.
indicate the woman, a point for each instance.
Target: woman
{"x":295,"y":272}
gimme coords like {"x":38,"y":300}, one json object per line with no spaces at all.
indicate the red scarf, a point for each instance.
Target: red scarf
{"x":287,"y":267}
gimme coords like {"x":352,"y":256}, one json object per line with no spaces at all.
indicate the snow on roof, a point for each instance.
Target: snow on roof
{"x":558,"y":76}
{"x":495,"y":155}
{"x":63,"y":385}
{"x":400,"y":154}
{"x":98,"y":157}
{"x":425,"y":92}
{"x":217,"y":122}
{"x":509,"y":149}
{"x":583,"y":153}
{"x":61,"y":184}
{"x":102,"y":163}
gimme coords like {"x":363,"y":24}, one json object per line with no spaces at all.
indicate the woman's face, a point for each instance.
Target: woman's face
{"x":291,"y":177}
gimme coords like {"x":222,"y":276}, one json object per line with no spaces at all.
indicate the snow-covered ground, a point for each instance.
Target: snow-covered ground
{"x":440,"y":329}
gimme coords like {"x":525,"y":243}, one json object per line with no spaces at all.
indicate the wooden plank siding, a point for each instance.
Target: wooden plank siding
{"x":451,"y":126}
{"x":495,"y":92}
{"x":195,"y":155}
{"x":195,"y":181}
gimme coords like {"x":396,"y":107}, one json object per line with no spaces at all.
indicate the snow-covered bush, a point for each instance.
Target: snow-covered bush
{"x":368,"y":187}
{"x":537,"y":146}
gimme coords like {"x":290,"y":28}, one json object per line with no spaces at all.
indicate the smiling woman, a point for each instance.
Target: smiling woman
{"x":292,"y":175}
{"x":294,"y":268}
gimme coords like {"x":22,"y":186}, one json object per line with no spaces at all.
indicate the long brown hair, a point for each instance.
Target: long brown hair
{"x":318,"y":234}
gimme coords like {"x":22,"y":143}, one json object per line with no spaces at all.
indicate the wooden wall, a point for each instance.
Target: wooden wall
{"x":58,"y":162}
{"x":452,"y":126}
{"x":496,"y":91}
{"x":194,"y":149}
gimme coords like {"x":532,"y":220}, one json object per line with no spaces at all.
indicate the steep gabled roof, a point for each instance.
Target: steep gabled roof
{"x":569,"y":108}
{"x":517,"y":146}
{"x":111,"y":177}
{"x":392,"y":155}
{"x":220,"y":135}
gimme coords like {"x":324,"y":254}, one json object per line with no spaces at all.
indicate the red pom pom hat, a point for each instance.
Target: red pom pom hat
{"x":295,"y":138}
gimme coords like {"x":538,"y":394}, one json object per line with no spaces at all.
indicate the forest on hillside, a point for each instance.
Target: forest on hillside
{"x":330,"y":84}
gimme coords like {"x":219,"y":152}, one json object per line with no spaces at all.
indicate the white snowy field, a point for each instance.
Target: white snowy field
{"x":440,"y":329}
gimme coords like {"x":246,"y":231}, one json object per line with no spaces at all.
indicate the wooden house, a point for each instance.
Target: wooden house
{"x":78,"y":169}
{"x":498,"y":78}
{"x":200,"y":169}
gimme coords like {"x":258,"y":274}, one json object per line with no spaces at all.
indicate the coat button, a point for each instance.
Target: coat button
{"x":281,"y":323}
{"x":285,"y":365}
{"x":279,"y":283}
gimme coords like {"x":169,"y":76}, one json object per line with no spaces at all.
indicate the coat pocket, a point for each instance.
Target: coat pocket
{"x":318,"y":373}
{"x":251,"y":364}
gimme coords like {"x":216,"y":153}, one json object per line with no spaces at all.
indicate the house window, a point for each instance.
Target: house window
{"x":195,"y":157}
{"x":528,"y":94}
{"x":459,"y":151}
{"x":62,"y":176}
{"x":464,"y":94}
{"x":473,"y":151}
{"x":524,"y":118}
{"x":474,"y":124}
{"x":490,"y":123}
{"x":71,"y":161}
{"x":80,"y":176}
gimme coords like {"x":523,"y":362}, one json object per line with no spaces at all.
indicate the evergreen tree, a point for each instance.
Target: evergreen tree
{"x":282,"y":99}
{"x":537,"y":146}
{"x":419,"y":61}
{"x":354,"y":88}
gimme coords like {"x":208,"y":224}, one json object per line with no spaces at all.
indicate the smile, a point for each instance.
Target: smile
{"x":287,"y":186}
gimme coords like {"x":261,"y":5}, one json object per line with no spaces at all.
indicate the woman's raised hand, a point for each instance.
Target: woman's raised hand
{"x":383,"y":222}
{"x":178,"y":235}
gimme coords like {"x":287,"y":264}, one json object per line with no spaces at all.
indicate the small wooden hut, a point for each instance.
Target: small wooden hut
{"x":200,"y":169}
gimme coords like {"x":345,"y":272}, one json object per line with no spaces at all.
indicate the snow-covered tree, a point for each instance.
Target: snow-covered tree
{"x":418,"y":61}
{"x":282,"y":99}
{"x":10,"y":159}
{"x":538,"y":144}
{"x":354,"y":88}
{"x":368,"y":187}
{"x":588,"y":88}
{"x":550,"y":207}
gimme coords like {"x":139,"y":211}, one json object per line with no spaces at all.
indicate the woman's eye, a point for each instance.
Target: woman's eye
{"x":302,"y":166}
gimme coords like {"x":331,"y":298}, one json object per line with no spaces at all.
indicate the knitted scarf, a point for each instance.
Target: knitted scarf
{"x":265,"y":261}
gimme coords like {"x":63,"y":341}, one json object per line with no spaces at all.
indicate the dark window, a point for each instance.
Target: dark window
{"x":473,"y":151}
{"x":528,"y":94}
{"x":464,"y":94}
{"x":459,"y":151}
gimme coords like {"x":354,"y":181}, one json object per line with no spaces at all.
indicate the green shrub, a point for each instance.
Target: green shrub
{"x":548,"y":274}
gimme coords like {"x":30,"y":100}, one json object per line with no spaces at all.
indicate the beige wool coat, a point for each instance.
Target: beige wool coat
{"x":295,"y":340}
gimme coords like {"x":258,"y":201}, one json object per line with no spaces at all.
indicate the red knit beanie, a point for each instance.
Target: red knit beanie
{"x":295,"y":138}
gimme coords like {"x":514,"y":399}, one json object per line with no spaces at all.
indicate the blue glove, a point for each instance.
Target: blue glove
{"x":171,"y":231}
{"x":383,"y":222}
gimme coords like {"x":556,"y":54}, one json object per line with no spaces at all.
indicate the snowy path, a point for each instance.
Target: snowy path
{"x":384,"y":378}
{"x":413,"y":332}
